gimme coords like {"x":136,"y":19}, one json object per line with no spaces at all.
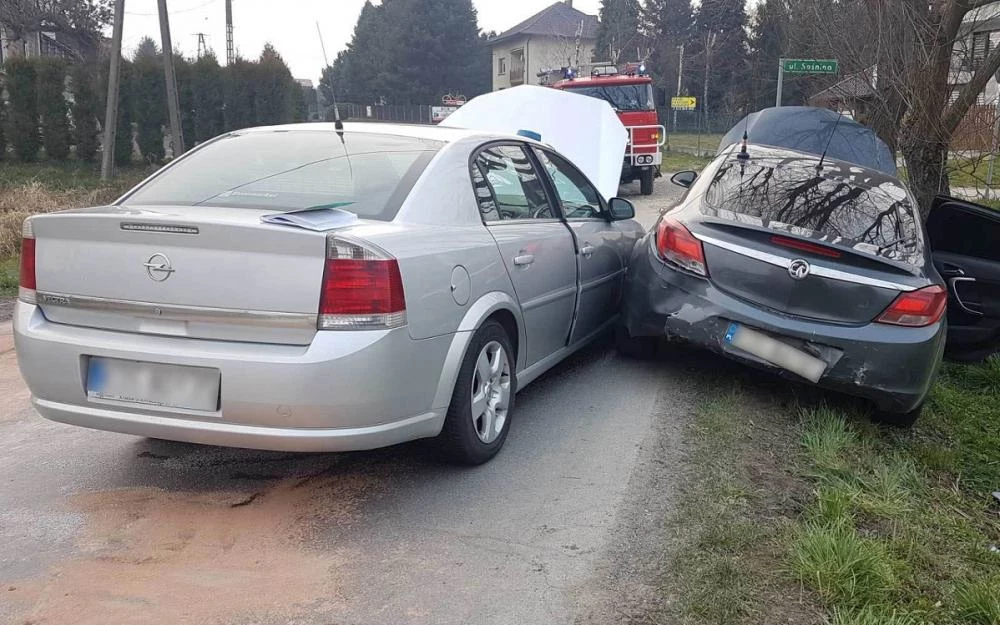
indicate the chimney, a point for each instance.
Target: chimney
{"x":569,"y":3}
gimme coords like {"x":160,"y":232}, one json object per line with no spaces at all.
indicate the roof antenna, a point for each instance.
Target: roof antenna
{"x":744,"y":155}
{"x":338,"y":125}
{"x":819,"y":166}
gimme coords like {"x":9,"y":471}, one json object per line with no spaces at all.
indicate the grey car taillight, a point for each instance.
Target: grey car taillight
{"x":362,"y":288}
{"x":27,"y":285}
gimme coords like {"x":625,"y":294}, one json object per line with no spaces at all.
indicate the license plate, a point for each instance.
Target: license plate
{"x":153,"y":384}
{"x":775,"y":352}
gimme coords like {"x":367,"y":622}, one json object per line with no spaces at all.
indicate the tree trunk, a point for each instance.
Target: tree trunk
{"x":926,"y":163}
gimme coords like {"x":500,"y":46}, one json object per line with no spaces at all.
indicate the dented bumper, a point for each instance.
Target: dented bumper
{"x":892,"y":366}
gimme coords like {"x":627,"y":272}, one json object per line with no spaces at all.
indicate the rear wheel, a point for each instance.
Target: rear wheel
{"x":646,"y":181}
{"x":483,"y":400}
{"x":899,"y":419}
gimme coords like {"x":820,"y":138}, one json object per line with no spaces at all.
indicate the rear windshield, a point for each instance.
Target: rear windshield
{"x":877,"y":218}
{"x":621,"y":97}
{"x":285,"y":170}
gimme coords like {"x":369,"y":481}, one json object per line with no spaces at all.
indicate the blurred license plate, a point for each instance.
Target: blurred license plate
{"x":775,"y":352}
{"x":152,"y":384}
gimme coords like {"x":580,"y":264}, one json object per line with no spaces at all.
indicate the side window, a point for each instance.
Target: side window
{"x":507,"y":185}
{"x":579,"y":198}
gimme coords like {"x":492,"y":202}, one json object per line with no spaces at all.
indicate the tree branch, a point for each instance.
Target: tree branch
{"x":967,"y":96}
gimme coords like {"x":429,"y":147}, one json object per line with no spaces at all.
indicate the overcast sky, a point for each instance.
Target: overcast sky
{"x":290,"y":25}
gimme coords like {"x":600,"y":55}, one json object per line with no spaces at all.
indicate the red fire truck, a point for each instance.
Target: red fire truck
{"x":630,"y":92}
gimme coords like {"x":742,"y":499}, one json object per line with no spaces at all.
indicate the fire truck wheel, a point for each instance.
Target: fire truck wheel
{"x":646,"y":181}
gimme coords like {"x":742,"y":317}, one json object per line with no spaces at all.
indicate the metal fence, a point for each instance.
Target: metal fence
{"x":398,"y":113}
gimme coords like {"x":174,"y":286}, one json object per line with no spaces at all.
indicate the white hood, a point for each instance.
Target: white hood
{"x":584,"y":129}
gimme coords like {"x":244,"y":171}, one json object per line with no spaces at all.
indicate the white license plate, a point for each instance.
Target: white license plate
{"x":153,"y":384}
{"x":775,"y":352}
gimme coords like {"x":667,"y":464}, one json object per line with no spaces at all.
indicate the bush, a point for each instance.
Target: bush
{"x":149,"y":105}
{"x":54,"y":108}
{"x":86,"y":110}
{"x":3,"y":124}
{"x":23,"y":125}
{"x":207,"y":87}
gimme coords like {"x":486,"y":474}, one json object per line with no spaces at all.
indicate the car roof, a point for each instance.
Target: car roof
{"x":445,"y":134}
{"x":776,"y":156}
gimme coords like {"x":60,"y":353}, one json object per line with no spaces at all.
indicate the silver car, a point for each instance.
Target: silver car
{"x":460,"y":266}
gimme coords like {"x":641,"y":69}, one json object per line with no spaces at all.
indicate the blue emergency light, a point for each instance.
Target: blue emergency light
{"x":529,"y":134}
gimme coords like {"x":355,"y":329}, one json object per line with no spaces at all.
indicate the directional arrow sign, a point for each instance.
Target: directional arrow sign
{"x":810,"y":66}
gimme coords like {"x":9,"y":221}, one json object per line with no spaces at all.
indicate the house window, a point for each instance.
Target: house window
{"x":517,"y":67}
{"x":501,"y":66}
{"x":980,"y":49}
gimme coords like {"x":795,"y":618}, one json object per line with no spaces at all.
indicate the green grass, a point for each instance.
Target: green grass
{"x":676,"y":161}
{"x":691,"y":143}
{"x":9,"y":277}
{"x":869,"y":525}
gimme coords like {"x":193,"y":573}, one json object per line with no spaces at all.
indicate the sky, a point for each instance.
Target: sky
{"x":289,"y":25}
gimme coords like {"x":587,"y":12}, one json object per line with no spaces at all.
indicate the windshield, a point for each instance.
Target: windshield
{"x":366,"y":174}
{"x":621,"y":97}
{"x":877,"y":219}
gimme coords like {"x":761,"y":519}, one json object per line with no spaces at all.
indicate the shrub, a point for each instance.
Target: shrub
{"x":3,"y":124}
{"x":23,"y":125}
{"x":54,"y":108}
{"x":149,"y":105}
{"x":86,"y":110}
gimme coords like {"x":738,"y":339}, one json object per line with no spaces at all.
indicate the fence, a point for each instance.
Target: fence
{"x":400,"y":113}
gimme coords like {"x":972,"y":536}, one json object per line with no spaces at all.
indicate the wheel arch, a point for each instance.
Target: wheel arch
{"x":495,"y":305}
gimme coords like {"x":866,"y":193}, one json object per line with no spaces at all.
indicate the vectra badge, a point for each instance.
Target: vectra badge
{"x":799,"y":269}
{"x":158,"y":267}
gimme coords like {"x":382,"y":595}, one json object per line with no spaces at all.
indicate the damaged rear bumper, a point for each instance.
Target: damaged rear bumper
{"x":892,"y":366}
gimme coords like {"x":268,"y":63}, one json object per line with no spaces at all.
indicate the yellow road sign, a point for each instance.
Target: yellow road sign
{"x":683,"y":103}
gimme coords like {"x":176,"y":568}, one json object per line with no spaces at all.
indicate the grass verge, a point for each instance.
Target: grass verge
{"x":677,"y":161}
{"x":804,"y":511}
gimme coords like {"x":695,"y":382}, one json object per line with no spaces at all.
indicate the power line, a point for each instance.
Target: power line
{"x":174,"y":12}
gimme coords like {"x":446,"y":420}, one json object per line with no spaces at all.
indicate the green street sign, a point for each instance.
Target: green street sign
{"x":810,"y":66}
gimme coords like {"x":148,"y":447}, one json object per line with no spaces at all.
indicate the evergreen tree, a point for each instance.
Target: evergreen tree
{"x":85,"y":111}
{"x":239,"y":94}
{"x":125,"y":132}
{"x":21,"y":89}
{"x":184,"y":70}
{"x":768,"y":44}
{"x":618,"y":33}
{"x":721,"y":64}
{"x":149,"y":100}
{"x":274,"y":90}
{"x":3,"y":132}
{"x":54,"y":108}
{"x":669,"y":25}
{"x":207,"y":87}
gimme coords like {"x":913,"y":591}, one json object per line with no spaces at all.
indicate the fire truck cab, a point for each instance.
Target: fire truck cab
{"x":630,"y":93}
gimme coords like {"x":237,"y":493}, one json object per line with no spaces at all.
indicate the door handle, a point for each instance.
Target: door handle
{"x":953,"y":283}
{"x":524,"y":260}
{"x":588,"y":250}
{"x":948,"y":270}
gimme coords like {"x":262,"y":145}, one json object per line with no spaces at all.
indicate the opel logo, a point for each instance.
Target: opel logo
{"x":799,"y":269}
{"x":158,"y":267}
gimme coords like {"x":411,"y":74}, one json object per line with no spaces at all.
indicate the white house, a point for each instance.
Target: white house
{"x":559,"y":36}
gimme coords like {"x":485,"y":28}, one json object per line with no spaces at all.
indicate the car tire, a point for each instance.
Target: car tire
{"x":899,"y":419}
{"x":646,"y":181}
{"x":471,"y":439}
{"x":638,"y":347}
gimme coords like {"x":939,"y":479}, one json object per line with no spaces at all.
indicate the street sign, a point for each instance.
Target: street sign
{"x":683,"y":103}
{"x":810,"y":66}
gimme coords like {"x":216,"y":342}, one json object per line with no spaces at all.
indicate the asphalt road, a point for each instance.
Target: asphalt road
{"x":101,"y":528}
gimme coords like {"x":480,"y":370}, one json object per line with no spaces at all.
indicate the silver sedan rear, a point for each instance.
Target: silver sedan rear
{"x":298,"y":288}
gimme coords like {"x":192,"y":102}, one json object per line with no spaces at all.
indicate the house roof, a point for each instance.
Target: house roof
{"x":853,"y":87}
{"x":558,"y":20}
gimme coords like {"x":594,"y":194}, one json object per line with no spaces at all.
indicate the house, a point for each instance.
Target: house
{"x":40,"y":43}
{"x":559,"y":36}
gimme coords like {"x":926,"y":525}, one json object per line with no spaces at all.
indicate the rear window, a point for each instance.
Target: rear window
{"x":285,"y":170}
{"x":877,"y":219}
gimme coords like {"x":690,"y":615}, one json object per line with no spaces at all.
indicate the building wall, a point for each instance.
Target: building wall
{"x":538,"y":53}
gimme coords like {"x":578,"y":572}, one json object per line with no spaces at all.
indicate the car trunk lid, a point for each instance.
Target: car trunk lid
{"x":198,"y":272}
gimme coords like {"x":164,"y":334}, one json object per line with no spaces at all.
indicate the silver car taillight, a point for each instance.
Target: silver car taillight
{"x":362,"y":288}
{"x":27,"y":285}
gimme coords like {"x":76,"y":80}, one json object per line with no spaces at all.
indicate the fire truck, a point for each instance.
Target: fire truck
{"x":630,"y":93}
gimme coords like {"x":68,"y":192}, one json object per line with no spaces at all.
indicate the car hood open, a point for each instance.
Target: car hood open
{"x":809,"y":129}
{"x":584,"y":129}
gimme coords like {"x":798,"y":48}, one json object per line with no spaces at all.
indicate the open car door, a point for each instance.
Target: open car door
{"x":965,"y":240}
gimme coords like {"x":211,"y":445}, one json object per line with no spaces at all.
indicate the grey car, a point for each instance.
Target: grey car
{"x":818,"y":268}
{"x":462,"y":266}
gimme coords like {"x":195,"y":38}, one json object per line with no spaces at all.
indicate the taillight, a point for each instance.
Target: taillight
{"x":26,"y":290}
{"x":916,"y":309}
{"x":805,"y":246}
{"x":677,"y":245}
{"x":362,"y":288}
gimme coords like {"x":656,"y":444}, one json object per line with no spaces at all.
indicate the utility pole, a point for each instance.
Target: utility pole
{"x":230,"y":53}
{"x":202,"y":45}
{"x":173,"y":106}
{"x":680,"y":75}
{"x":709,"y":42}
{"x":111,"y":110}
{"x":781,"y":80}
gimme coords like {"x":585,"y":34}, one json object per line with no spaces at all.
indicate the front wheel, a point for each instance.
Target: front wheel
{"x":899,"y":419}
{"x":483,"y":400}
{"x":646,"y":181}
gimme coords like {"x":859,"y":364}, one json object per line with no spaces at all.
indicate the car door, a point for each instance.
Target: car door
{"x":965,"y":241}
{"x":536,"y":246}
{"x":602,"y":245}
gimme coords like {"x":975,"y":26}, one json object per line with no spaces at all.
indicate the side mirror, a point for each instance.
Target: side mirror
{"x":684,"y":178}
{"x":661,"y":97}
{"x":621,"y":209}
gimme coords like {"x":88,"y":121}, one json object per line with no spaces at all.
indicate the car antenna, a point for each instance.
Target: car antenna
{"x":338,"y":125}
{"x":819,"y":166}
{"x":744,"y":155}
